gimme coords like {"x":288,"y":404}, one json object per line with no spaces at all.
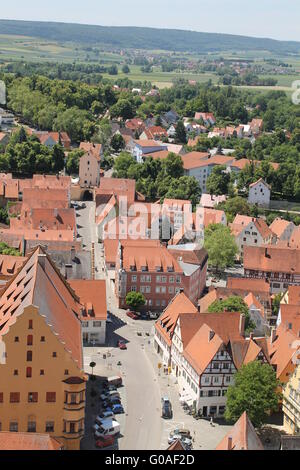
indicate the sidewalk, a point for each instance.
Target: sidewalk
{"x":205,"y":436}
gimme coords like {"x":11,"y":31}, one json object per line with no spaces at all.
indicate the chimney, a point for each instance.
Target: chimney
{"x":229,"y":443}
{"x":242,"y":325}
{"x":211,"y":334}
{"x":23,"y":246}
{"x":42,"y":260}
{"x":273,"y":335}
{"x":68,"y":271}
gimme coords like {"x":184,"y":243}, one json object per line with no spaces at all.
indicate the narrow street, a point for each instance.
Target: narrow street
{"x":142,"y":426}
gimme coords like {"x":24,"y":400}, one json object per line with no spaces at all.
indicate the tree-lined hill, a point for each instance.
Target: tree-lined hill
{"x":145,"y":38}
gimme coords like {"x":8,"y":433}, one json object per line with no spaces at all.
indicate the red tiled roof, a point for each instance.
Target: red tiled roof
{"x":38,"y":283}
{"x":272,"y":259}
{"x":241,"y":437}
{"x":179,"y":305}
{"x":278,"y":226}
{"x":28,"y":441}
{"x":251,"y":285}
{"x":197,"y":160}
{"x":91,"y":292}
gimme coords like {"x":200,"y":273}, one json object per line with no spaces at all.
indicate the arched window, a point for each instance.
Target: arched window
{"x":28,"y":372}
{"x":29,"y":356}
{"x":29,"y":340}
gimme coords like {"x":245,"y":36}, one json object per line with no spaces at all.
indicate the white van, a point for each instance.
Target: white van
{"x":107,"y":428}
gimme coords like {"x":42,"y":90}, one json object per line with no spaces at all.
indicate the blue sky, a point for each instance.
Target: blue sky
{"x":278,"y":19}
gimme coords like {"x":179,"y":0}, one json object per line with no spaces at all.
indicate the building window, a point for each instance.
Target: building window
{"x":42,"y":372}
{"x":54,"y":354}
{"x":32,"y":397}
{"x":72,"y":428}
{"x":43,"y":339}
{"x":178,"y":279}
{"x":85,"y":324}
{"x":14,"y":397}
{"x":49,"y":426}
{"x":28,"y":372}
{"x":133,"y":278}
{"x":16,"y":339}
{"x":16,"y":372}
{"x":1,"y":397}
{"x":31,"y":427}
{"x":73,"y":399}
{"x":97,"y":324}
{"x":51,"y":397}
{"x":133,"y":289}
{"x":29,"y":356}
{"x":30,"y":325}
{"x":13,"y":426}
{"x":29,"y":340}
{"x":66,"y":372}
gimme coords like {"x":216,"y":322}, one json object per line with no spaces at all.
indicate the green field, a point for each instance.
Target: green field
{"x":30,"y":49}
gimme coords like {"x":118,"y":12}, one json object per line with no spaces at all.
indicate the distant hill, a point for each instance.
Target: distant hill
{"x":145,"y":38}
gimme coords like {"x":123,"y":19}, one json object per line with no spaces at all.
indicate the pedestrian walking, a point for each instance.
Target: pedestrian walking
{"x":211,"y":421}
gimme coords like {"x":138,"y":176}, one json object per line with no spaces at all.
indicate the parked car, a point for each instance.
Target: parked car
{"x":132,"y":315}
{"x":118,"y":409}
{"x":111,"y":401}
{"x":144,"y":316}
{"x":117,"y":381}
{"x":111,"y":388}
{"x":107,"y":428}
{"x":185,"y":440}
{"x":167,"y":409}
{"x":106,"y":414}
{"x":180,"y":432}
{"x":105,"y":441}
{"x":109,"y":395}
{"x":122,"y":345}
{"x":153,"y":315}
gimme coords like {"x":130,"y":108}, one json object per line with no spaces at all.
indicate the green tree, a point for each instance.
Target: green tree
{"x":7,"y":250}
{"x":4,"y":218}
{"x":117,"y":142}
{"x":185,"y":187}
{"x":180,"y":135}
{"x":72,"y":163}
{"x":122,"y":165}
{"x":233,"y":206}
{"x":218,"y":181}
{"x":135,"y":300}
{"x":233,"y":304}
{"x":123,"y":108}
{"x":255,"y":391}
{"x":125,"y":69}
{"x":220,"y":245}
{"x":58,"y":158}
{"x":112,"y":70}
{"x":173,"y":166}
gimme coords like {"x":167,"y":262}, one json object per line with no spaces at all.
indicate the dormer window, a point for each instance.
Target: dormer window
{"x":132,"y":268}
{"x":143,"y":268}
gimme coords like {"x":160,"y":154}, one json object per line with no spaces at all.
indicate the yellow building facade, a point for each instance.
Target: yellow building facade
{"x":291,"y":403}
{"x":42,"y":383}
